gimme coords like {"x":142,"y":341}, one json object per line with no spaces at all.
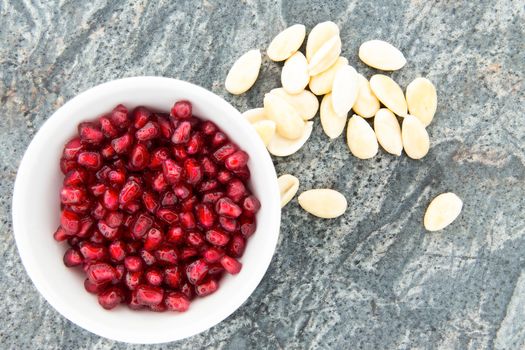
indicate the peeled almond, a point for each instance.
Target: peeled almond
{"x":422,"y":100}
{"x":289,"y":124}
{"x":319,"y":35}
{"x":388,"y":131}
{"x":305,"y":103}
{"x":254,"y":115}
{"x":415,"y":137}
{"x":244,"y":72}
{"x":381,"y":55}
{"x":288,"y":186}
{"x":361,"y":138}
{"x":323,"y":203}
{"x":325,"y":56}
{"x":265,"y":129}
{"x":442,"y":211}
{"x":282,"y":147}
{"x":344,"y":90}
{"x":294,"y":75}
{"x":389,"y":93}
{"x":333,"y":124}
{"x":286,"y":43}
{"x":367,"y":103}
{"x":321,"y":84}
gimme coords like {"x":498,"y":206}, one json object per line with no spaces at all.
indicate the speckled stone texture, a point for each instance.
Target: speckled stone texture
{"x":372,"y":279}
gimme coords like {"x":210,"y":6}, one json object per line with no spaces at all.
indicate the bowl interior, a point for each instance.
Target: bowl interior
{"x":36,"y":214}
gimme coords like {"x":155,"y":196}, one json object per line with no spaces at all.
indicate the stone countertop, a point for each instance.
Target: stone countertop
{"x":371,"y":279}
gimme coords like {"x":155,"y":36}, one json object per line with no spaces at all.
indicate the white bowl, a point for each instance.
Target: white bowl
{"x":36,"y":214}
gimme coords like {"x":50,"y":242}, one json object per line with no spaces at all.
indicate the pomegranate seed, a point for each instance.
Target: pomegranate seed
{"x":251,"y":205}
{"x":187,"y":290}
{"x":75,"y":177}
{"x":111,"y":297}
{"x":181,"y":110}
{"x":131,"y":207}
{"x":117,"y":177}
{"x":148,"y":258}
{"x":165,"y":127}
{"x":149,"y":131}
{"x":93,"y":287}
{"x":158,"y":308}
{"x":110,"y":199}
{"x":172,"y":171}
{"x":187,"y":220}
{"x":90,"y":160}
{"x":129,"y":192}
{"x":158,"y":156}
{"x":196,"y":271}
{"x":114,"y":219}
{"x":132,"y":279}
{"x":181,"y":133}
{"x":166,"y":255}
{"x":159,"y":183}
{"x":227,"y":207}
{"x":176,"y":301}
{"x":236,"y":161}
{"x":72,"y":148}
{"x":212,"y":254}
{"x":85,"y":226}
{"x":153,"y":239}
{"x":133,"y":263}
{"x":110,"y":233}
{"x":188,"y":253}
{"x":205,"y":215}
{"x":107,"y":128}
{"x":218,"y":139}
{"x":208,"y":185}
{"x":60,"y":234}
{"x":96,"y":237}
{"x":236,"y":190}
{"x":243,"y":173}
{"x":195,"y":238}
{"x":229,"y":224}
{"x":179,"y":153}
{"x":99,"y":211}
{"x":231,"y":265}
{"x":149,"y":295}
{"x":209,"y":168}
{"x":182,"y":191}
{"x":100,"y":273}
{"x":139,"y":158}
{"x":208,"y":128}
{"x":81,"y":208}
{"x":102,"y":174}
{"x":70,"y":221}
{"x":150,"y":201}
{"x":128,"y":221}
{"x":195,"y":143}
{"x":225,"y":151}
{"x":154,"y":276}
{"x":206,"y":288}
{"x":172,"y":276}
{"x":141,"y":226}
{"x":217,"y":237}
{"x":89,"y":133}
{"x":212,"y":197}
{"x":133,"y":303}
{"x":224,"y":176}
{"x":67,"y":165}
{"x":189,"y":204}
{"x":107,"y":151}
{"x":248,"y":226}
{"x":236,"y":246}
{"x":216,"y":269}
{"x":72,"y":195}
{"x":117,"y":250}
{"x":72,"y":257}
{"x":193,"y":171}
{"x":119,"y":116}
{"x":141,"y":116}
{"x":167,"y":215}
{"x":122,"y":144}
{"x":121,"y":270}
{"x":93,"y":251}
{"x":175,"y":234}
{"x":168,"y":198}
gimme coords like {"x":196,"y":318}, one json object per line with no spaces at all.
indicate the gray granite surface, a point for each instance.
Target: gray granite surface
{"x":372,"y":279}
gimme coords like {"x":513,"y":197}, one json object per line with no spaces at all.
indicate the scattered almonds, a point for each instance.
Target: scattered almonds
{"x":286,"y":43}
{"x":244,"y":72}
{"x":367,"y":103}
{"x":254,"y":115}
{"x":282,"y":147}
{"x":289,"y":124}
{"x":389,"y":93}
{"x":294,"y":76}
{"x":323,"y":203}
{"x":319,"y":35}
{"x":381,"y":55}
{"x":321,"y":84}
{"x":333,"y":124}
{"x":442,"y":211}
{"x":345,"y":89}
{"x":422,"y":100}
{"x":325,"y":56}
{"x":288,"y":186}
{"x":388,"y":131}
{"x":361,"y":138}
{"x":305,"y":103}
{"x":265,"y":129}
{"x":415,"y":138}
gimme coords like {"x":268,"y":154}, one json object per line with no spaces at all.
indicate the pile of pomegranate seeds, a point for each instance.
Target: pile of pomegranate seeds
{"x":155,"y":207}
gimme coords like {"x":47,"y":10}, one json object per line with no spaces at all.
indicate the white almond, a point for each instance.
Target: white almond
{"x":388,"y":131}
{"x":381,"y":55}
{"x":333,"y":124}
{"x":254,"y":115}
{"x":325,"y":56}
{"x":321,"y":84}
{"x":361,"y":138}
{"x":244,"y":72}
{"x":422,"y":100}
{"x":389,"y":93}
{"x":289,"y":123}
{"x":319,"y":35}
{"x":265,"y":129}
{"x":286,"y":43}
{"x":442,"y":211}
{"x":367,"y":103}
{"x":304,"y":102}
{"x":282,"y":147}
{"x":324,"y":203}
{"x":294,"y":76}
{"x":345,"y":89}
{"x":415,"y":137}
{"x":288,"y":186}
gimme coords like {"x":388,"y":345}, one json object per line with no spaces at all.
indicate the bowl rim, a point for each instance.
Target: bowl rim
{"x":23,"y":244}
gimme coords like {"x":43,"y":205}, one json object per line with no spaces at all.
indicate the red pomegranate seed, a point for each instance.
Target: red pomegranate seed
{"x":182,"y":133}
{"x":101,"y":272}
{"x":72,"y":195}
{"x":208,"y":167}
{"x":159,"y":183}
{"x":119,"y":116}
{"x":122,"y":144}
{"x":90,"y":160}
{"x":110,"y":199}
{"x":133,"y":263}
{"x":206,"y":288}
{"x":114,"y":219}
{"x":225,"y":151}
{"x":102,"y":174}
{"x":150,"y":201}
{"x":217,"y":237}
{"x":154,"y":276}
{"x":193,"y":171}
{"x":117,"y":250}
{"x":166,"y":255}
{"x":224,"y":176}
{"x":172,"y":276}
{"x":111,"y":297}
{"x":129,"y":192}
{"x":108,"y":129}
{"x":117,"y":177}
{"x":128,"y":221}
{"x":141,"y":226}
{"x":175,"y":234}
{"x":72,"y":148}
{"x":196,"y":271}
{"x":251,"y":205}
{"x":236,"y":246}
{"x":231,"y":265}
{"x":93,"y":251}
{"x":110,"y":233}
{"x":167,"y":215}
{"x":139,"y":158}
{"x":165,"y":127}
{"x":229,"y":224}
{"x":107,"y":151}
{"x":181,"y":110}
{"x":216,"y":269}
{"x":149,"y":259}
{"x":149,"y":295}
{"x":154,"y":238}
{"x":208,"y":128}
{"x":85,"y":227}
{"x":187,"y":220}
{"x":195,"y":238}
{"x":121,"y":270}
{"x":133,"y":247}
{"x":158,"y":156}
{"x":176,"y":301}
{"x":189,"y":204}
{"x":158,"y":308}
{"x":81,"y":208}
{"x":236,"y":161}
{"x":236,"y":190}
{"x":131,"y":207}
{"x":243,"y":173}
{"x":132,"y":279}
{"x":208,"y":185}
{"x":227,"y":207}
{"x":141,"y":115}
{"x":168,"y":199}
{"x":60,"y":234}
{"x":187,"y":290}
{"x":149,"y":131}
{"x":67,"y":165}
{"x":70,"y":221}
{"x":72,"y":257}
{"x":188,"y":253}
{"x":133,"y":303}
{"x":99,"y":211}
{"x":94,"y":288}
{"x":248,"y":226}
{"x":172,"y":171}
{"x":218,"y":139}
{"x":75,"y":177}
{"x":89,"y":133}
{"x":182,"y":191}
{"x":205,"y":215}
{"x":73,"y":241}
{"x":195,"y":143}
{"x":212,"y":197}
{"x":212,"y":254}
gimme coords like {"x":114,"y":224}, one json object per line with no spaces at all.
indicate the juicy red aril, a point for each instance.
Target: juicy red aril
{"x":227,"y":207}
{"x":236,"y":190}
{"x":131,"y":207}
{"x":176,"y":301}
{"x":110,"y":233}
{"x":212,"y":197}
{"x":222,"y":153}
{"x":132,"y":279}
{"x":110,"y":199}
{"x":93,"y":251}
{"x":158,"y":156}
{"x":101,"y":272}
{"x":90,"y":160}
{"x":154,"y":238}
{"x":224,"y":176}
{"x":229,"y":224}
{"x":208,"y":185}
{"x":168,"y":198}
{"x":172,"y":276}
{"x":122,"y":144}
{"x":103,"y":173}
{"x":166,"y":255}
{"x":193,"y":171}
{"x":107,"y":128}
{"x":208,"y":128}
{"x":141,"y":116}
{"x":67,"y":165}
{"x":248,"y":226}
{"x":119,"y":116}
{"x":236,"y":246}
{"x":149,"y":259}
{"x":231,"y":265}
{"x":148,"y":132}
{"x":165,"y":127}
{"x":111,"y":297}
{"x":236,"y":160}
{"x":93,"y":287}
{"x":209,"y":168}
{"x":60,"y":234}
{"x":107,"y":151}
{"x":129,"y":192}
{"x":80,"y":208}
{"x":206,"y":288}
{"x":215,"y":269}
{"x":181,"y":110}
{"x":133,"y":263}
{"x":187,"y":290}
{"x":172,"y":171}
{"x":182,"y":191}
{"x":75,"y":177}
{"x":181,"y":133}
{"x":99,"y":211}
{"x":195,"y":238}
{"x":218,"y":139}
{"x":187,"y":220}
{"x":159,"y":183}
{"x":89,"y":133}
{"x":149,"y":295}
{"x":117,"y":250}
{"x":205,"y":215}
{"x":139,"y":158}
{"x":179,"y":152}
{"x":97,"y":237}
{"x":194,"y":143}
{"x":167,"y":215}
{"x":175,"y":234}
{"x":85,"y":226}
{"x":212,"y":254}
{"x":251,"y":205}
{"x":217,"y":237}
{"x":150,"y":201}
{"x":196,"y":271}
{"x":141,"y":225}
{"x":121,"y":270}
{"x":133,"y":303}
{"x":116,"y":177}
{"x":154,"y":276}
{"x":72,"y":148}
{"x":188,"y":253}
{"x":70,"y":221}
{"x":189,"y":204}
{"x":114,"y":219}
{"x":158,"y":308}
{"x":72,"y":257}
{"x":243,"y":173}
{"x":72,"y":195}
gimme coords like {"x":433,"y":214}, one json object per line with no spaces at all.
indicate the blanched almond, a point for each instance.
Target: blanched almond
{"x":388,"y":131}
{"x":288,"y":186}
{"x":367,"y":103}
{"x":304,"y":102}
{"x":442,"y":211}
{"x":289,"y":124}
{"x":286,"y":43}
{"x":325,"y":56}
{"x":254,"y":115}
{"x":381,"y":55}
{"x":415,"y":137}
{"x":324,"y":203}
{"x":389,"y":93}
{"x":282,"y":147}
{"x":265,"y":129}
{"x":319,"y":35}
{"x":361,"y":138}
{"x":422,"y":100}
{"x":244,"y":72}
{"x":344,"y":90}
{"x":333,"y":124}
{"x":294,"y":76}
{"x":321,"y":84}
